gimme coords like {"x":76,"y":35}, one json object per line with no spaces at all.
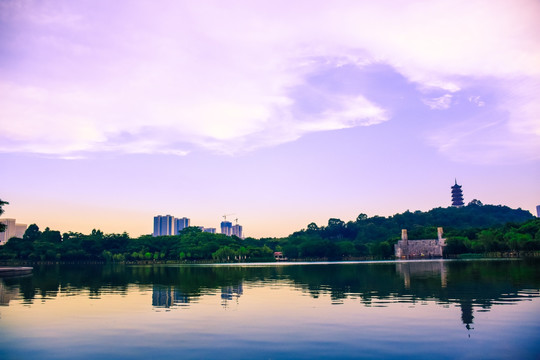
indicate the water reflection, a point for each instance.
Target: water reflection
{"x":422,"y":269}
{"x":7,"y":293}
{"x":166,"y":297}
{"x":468,"y":284}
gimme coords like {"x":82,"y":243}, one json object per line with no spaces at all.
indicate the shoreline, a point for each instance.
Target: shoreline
{"x":494,"y":256}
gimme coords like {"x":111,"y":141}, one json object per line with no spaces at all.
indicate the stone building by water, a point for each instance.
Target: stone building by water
{"x":420,"y":249}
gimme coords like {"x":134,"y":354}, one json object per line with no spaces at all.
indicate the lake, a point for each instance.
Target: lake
{"x":478,"y":309}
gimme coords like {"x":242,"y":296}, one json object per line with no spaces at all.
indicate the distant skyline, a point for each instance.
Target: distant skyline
{"x":281,"y":113}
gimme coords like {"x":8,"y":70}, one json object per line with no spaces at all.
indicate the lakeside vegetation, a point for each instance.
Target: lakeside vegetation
{"x":475,"y":228}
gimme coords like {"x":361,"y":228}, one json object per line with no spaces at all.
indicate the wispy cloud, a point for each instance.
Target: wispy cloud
{"x":439,"y":103}
{"x":477,"y":100}
{"x":82,"y":77}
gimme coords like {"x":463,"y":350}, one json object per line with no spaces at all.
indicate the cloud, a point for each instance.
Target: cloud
{"x":439,"y":103}
{"x":484,"y":142}
{"x":91,"y":76}
{"x":477,"y":100}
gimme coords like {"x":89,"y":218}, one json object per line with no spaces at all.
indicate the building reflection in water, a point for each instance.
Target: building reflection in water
{"x":467,"y":314}
{"x":431,"y":269}
{"x":167,"y":296}
{"x":7,"y":294}
{"x":422,"y":269}
{"x":229,"y":293}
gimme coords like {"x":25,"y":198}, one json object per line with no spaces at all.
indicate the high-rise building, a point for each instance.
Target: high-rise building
{"x":457,"y":195}
{"x":180,"y":224}
{"x":538,"y":211}
{"x":237,"y":230}
{"x":226,"y":228}
{"x":209,"y":230}
{"x":12,"y":230}
{"x":163,"y":225}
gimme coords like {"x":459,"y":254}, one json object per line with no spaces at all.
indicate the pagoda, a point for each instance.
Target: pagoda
{"x":457,"y":195}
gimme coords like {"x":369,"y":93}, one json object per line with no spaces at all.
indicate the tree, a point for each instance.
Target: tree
{"x":224,"y":254}
{"x":190,"y":230}
{"x":32,"y":233}
{"x":346,"y":248}
{"x":51,"y":236}
{"x":2,"y":203}
{"x":457,"y":245}
{"x":361,"y":217}
{"x":312,"y":227}
{"x":335,"y":223}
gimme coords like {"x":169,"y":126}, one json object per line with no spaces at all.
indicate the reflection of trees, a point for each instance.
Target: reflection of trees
{"x":7,"y":293}
{"x":467,"y":284}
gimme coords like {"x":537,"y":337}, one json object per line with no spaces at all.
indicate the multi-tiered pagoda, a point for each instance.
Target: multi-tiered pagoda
{"x":457,"y":195}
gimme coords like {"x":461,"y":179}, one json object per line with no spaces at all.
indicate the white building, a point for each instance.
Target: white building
{"x":12,"y":230}
{"x":169,"y":225}
{"x":180,"y":224}
{"x":163,"y":225}
{"x":237,"y":230}
{"x":226,"y":228}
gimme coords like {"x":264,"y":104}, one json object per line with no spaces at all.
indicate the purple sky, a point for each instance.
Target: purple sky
{"x":280,"y":112}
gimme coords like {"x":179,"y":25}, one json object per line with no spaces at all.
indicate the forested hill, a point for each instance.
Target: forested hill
{"x":375,"y":236}
{"x":474,"y":215}
{"x":419,"y":224}
{"x":474,"y":228}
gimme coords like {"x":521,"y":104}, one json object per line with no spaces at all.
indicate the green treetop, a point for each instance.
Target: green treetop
{"x":2,"y":203}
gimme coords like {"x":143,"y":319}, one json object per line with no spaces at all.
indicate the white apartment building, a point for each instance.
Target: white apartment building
{"x":12,"y":230}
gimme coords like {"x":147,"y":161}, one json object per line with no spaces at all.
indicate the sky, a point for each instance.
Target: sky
{"x":279,"y":113}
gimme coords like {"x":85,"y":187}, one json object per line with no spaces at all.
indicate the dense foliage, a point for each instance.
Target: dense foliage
{"x":375,"y":236}
{"x":190,"y":244}
{"x":2,"y":203}
{"x":474,"y":228}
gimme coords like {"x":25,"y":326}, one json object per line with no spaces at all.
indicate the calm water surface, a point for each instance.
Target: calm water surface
{"x":421,"y":310}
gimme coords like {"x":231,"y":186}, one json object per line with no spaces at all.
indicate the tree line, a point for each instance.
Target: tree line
{"x":475,"y":228}
{"x":190,"y":245}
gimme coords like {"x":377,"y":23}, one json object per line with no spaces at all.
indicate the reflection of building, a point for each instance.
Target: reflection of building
{"x":12,"y":230}
{"x":231,"y":292}
{"x":226,"y":228}
{"x":467,"y":313}
{"x":457,"y":195}
{"x":414,"y":249}
{"x":165,"y":296}
{"x":7,"y":294}
{"x":422,"y":269}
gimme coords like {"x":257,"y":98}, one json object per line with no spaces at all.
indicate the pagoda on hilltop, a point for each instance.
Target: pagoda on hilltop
{"x":457,"y":195}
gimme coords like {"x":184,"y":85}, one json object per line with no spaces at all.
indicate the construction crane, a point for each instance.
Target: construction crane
{"x":236,"y":220}
{"x":225,"y":216}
